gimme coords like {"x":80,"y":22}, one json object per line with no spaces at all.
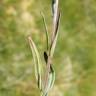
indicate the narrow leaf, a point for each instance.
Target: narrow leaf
{"x":53,"y":43}
{"x":36,"y":57}
{"x":46,"y":30}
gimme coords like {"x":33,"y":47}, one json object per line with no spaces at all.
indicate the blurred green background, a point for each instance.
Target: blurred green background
{"x":75,"y":54}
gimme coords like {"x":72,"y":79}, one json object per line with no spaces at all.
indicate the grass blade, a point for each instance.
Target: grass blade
{"x":37,"y":62}
{"x":46,"y":30}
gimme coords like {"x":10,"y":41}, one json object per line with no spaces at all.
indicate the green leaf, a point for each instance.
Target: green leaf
{"x":37,"y":62}
{"x":46,"y":30}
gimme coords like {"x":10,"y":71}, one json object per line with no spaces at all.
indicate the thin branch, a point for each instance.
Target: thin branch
{"x":56,"y":18}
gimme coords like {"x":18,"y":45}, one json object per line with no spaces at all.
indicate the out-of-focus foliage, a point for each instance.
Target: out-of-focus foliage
{"x":75,"y":55}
